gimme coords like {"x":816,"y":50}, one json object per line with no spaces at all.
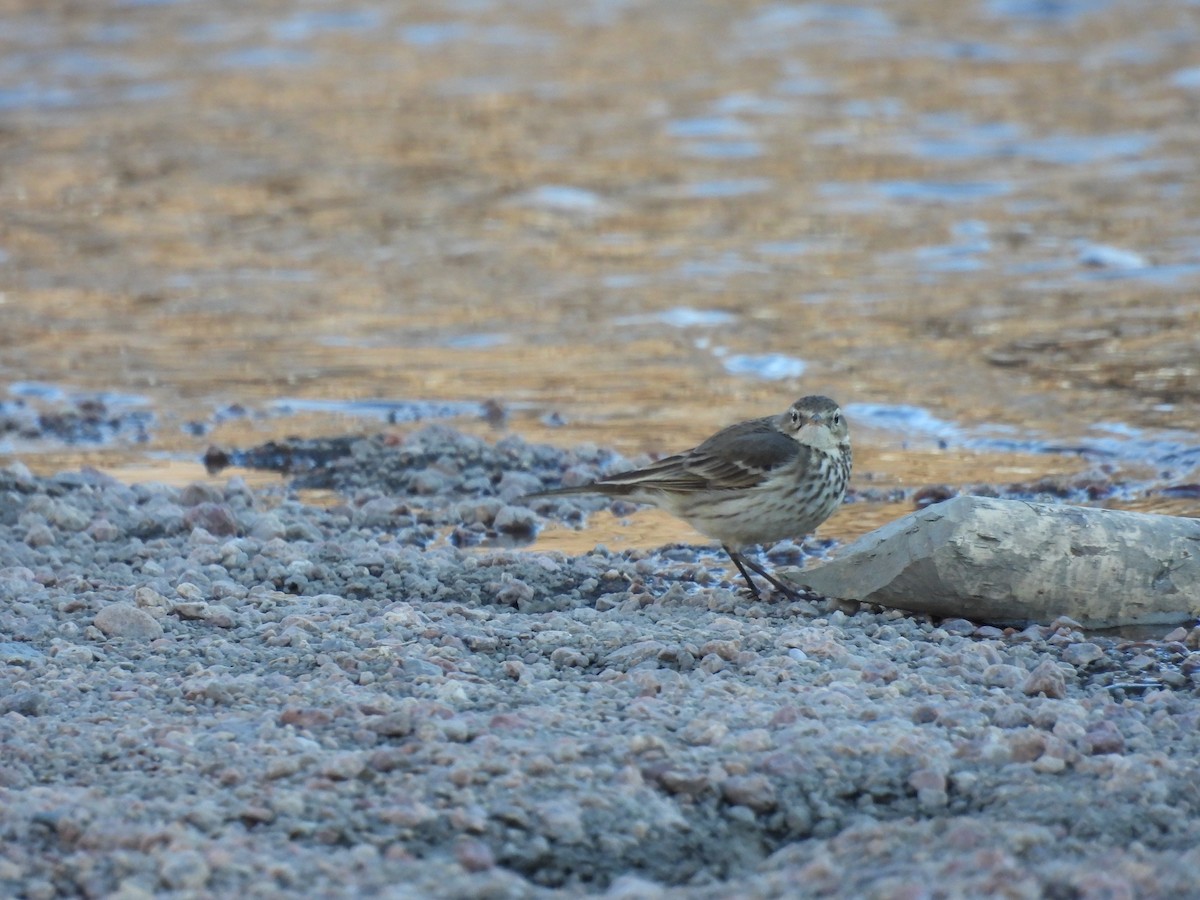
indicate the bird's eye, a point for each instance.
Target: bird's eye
{"x":795,"y":417}
{"x":837,"y":418}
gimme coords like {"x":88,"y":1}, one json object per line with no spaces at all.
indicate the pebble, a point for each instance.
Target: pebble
{"x":1102,"y":737}
{"x":515,"y":520}
{"x":753,"y":791}
{"x":1046,"y":679}
{"x":1082,"y":654}
{"x":13,"y":653}
{"x":182,"y":870}
{"x":124,"y":620}
{"x":40,"y":534}
{"x":215,"y":518}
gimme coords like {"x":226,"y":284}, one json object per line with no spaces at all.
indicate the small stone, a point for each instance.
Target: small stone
{"x":389,"y":758}
{"x":40,"y":535}
{"x":189,"y":610}
{"x":28,"y":703}
{"x":1082,"y":654}
{"x":282,"y":767}
{"x":882,"y":671}
{"x":514,"y":592}
{"x":633,"y":887}
{"x":691,"y":782}
{"x":103,"y":531}
{"x":516,"y":520}
{"x":267,"y":527}
{"x":482,"y":511}
{"x":188,"y":591}
{"x":924,"y":714}
{"x":215,"y":459}
{"x":1027,"y":745}
{"x":1046,"y":679}
{"x":1102,"y":737}
{"x":931,"y":494}
{"x":220,"y":616}
{"x":149,"y":598}
{"x":958,"y":626}
{"x":474,"y":855}
{"x":428,"y":482}
{"x":127,"y":621}
{"x":183,"y":870}
{"x":1190,"y":666}
{"x":196,"y":493}
{"x":1049,"y":765}
{"x":256,"y":814}
{"x":66,"y":517}
{"x":15,"y":653}
{"x":215,"y":518}
{"x":396,"y":724}
{"x":1176,"y":635}
{"x":1065,"y":623}
{"x":344,"y":766}
{"x":130,"y":890}
{"x":307,"y":717}
{"x":753,"y":791}
{"x":569,"y":657}
{"x":1003,"y":675}
{"x":930,"y":785}
{"x":564,"y":819}
{"x":20,"y":477}
{"x":73,"y":655}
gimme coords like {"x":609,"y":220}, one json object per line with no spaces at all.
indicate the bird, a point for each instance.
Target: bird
{"x":753,"y":483}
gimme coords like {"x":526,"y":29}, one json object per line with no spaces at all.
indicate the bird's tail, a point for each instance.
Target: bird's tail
{"x":593,"y":487}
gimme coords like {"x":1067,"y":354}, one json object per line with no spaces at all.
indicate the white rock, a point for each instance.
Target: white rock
{"x":1007,"y":561}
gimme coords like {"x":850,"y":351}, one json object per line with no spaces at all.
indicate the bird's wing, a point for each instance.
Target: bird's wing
{"x":734,"y":458}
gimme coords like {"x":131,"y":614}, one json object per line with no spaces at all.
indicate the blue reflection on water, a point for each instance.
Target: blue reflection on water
{"x":727,"y":187}
{"x":1112,"y":441}
{"x":306,"y":25}
{"x":767,"y":366}
{"x":1045,"y":10}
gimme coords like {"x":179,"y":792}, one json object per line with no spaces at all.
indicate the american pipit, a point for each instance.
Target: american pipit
{"x":756,"y":482}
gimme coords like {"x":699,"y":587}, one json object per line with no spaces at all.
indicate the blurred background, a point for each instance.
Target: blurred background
{"x":627,"y":222}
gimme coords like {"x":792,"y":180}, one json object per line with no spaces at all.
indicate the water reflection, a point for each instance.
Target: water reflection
{"x":266,"y":57}
{"x":1045,"y":10}
{"x":725,"y":187}
{"x":392,"y":411}
{"x":313,"y":23}
{"x":681,"y":317}
{"x":954,"y":137}
{"x":767,"y":366}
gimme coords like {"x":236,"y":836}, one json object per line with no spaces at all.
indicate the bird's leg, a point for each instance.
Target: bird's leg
{"x":743,"y":563}
{"x":737,"y":561}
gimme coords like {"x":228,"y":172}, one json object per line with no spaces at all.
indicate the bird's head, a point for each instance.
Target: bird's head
{"x":817,"y":422}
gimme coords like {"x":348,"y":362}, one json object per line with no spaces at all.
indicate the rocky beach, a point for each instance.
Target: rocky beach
{"x":217,"y":691}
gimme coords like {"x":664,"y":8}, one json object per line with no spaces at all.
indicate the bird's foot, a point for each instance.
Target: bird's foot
{"x":743,"y":564}
{"x":776,"y":587}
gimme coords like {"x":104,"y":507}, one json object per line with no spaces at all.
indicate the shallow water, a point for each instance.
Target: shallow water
{"x":976,"y":225}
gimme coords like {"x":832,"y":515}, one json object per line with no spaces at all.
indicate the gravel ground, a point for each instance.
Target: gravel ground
{"x":213,"y":692}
